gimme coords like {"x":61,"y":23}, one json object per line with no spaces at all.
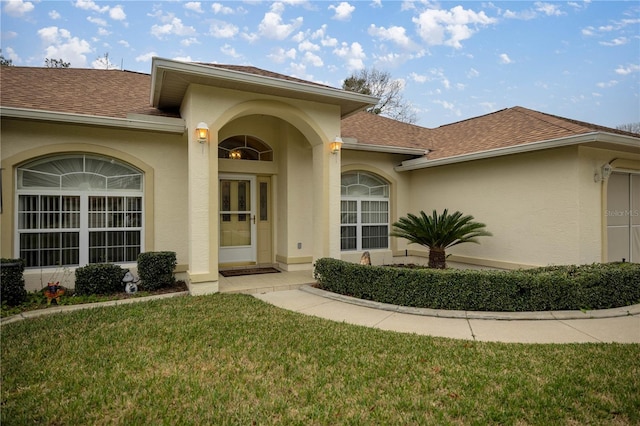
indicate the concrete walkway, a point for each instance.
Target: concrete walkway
{"x":619,"y":325}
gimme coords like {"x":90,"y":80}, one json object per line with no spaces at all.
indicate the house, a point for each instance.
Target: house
{"x":234,"y":165}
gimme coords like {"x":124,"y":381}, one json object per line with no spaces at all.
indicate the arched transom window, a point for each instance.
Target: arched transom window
{"x":77,"y":209}
{"x":364,"y":212}
{"x":244,"y":147}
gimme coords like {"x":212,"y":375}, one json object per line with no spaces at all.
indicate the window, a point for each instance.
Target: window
{"x":245,"y":147}
{"x":78,"y":209}
{"x":364,"y":212}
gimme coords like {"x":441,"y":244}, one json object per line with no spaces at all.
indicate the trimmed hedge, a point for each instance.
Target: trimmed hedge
{"x":12,"y":291}
{"x":155,"y":269}
{"x":597,"y":286}
{"x":99,"y":278}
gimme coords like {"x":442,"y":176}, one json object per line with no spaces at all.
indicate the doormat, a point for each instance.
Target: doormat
{"x":248,"y":271}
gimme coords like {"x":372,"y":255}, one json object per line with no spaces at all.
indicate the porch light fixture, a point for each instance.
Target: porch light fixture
{"x":202,"y":132}
{"x":336,"y":145}
{"x":603,"y":173}
{"x":236,"y":154}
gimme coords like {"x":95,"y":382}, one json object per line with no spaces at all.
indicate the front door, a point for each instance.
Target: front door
{"x":237,"y":221}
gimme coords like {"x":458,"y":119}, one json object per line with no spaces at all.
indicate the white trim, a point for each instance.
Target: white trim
{"x":611,"y":138}
{"x":154,"y":123}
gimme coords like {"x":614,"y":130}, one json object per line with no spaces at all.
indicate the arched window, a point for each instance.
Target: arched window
{"x":364,"y":212}
{"x":77,"y":209}
{"x":244,"y":147}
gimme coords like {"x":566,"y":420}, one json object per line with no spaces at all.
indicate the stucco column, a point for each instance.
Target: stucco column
{"x":326,"y":202}
{"x":202,"y":238}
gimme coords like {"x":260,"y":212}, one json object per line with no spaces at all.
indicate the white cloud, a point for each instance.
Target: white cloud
{"x":524,"y":15}
{"x":103,"y":32}
{"x":55,"y":15}
{"x":9,"y":53}
{"x":189,"y":41}
{"x":272,"y":27}
{"x":343,"y":11}
{"x":62,"y":45}
{"x":419,"y":78}
{"x":449,"y":27}
{"x":628,"y":69}
{"x":124,"y":43}
{"x":376,"y":3}
{"x":175,"y":27}
{"x":448,"y":106}
{"x":229,"y":50}
{"x":17,"y":8}
{"x":353,"y":55}
{"x":395,"y":34}
{"x":306,"y":45}
{"x":606,"y":84}
{"x":280,"y":55}
{"x":90,"y":5}
{"x":117,"y":13}
{"x":548,"y":8}
{"x":313,"y":59}
{"x":194,"y":6}
{"x":146,"y":57}
{"x":472,"y":73}
{"x":220,"y":29}
{"x":505,"y":59}
{"x":615,"y":42}
{"x":218,"y":8}
{"x":182,"y":58}
{"x":98,"y":21}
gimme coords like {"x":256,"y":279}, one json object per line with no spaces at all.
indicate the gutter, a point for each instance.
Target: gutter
{"x":153,"y":123}
{"x":613,"y":138}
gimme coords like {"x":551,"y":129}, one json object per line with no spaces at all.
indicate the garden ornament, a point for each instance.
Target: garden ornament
{"x":53,"y":291}
{"x":130,"y":282}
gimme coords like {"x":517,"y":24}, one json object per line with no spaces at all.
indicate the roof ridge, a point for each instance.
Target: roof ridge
{"x":584,"y":124}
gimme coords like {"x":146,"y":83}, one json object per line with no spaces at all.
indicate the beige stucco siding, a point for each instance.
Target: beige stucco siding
{"x":528,"y":201}
{"x":161,"y":156}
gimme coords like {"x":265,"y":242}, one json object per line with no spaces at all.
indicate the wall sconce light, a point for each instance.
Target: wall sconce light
{"x":336,"y":145}
{"x":604,"y":173}
{"x":202,"y":132}
{"x":236,"y":154}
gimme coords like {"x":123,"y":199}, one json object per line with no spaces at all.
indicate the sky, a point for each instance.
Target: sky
{"x":456,"y":60}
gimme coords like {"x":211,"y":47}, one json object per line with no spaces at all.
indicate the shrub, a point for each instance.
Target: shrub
{"x":12,"y":291}
{"x":597,"y":286}
{"x":99,"y":278}
{"x":156,"y":269}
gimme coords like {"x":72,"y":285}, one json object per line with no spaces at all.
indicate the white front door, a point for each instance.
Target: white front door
{"x":237,"y":221}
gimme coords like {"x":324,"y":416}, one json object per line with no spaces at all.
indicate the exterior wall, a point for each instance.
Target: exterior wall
{"x":162,"y":157}
{"x":303,"y":183}
{"x":542,"y":207}
{"x":529,"y":203}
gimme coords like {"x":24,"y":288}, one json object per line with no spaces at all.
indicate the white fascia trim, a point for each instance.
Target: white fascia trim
{"x":160,"y":64}
{"x":156,"y":124}
{"x":384,"y":149}
{"x":423,"y":163}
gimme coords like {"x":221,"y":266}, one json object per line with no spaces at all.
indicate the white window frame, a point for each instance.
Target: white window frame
{"x":360,"y":224}
{"x":83,"y":230}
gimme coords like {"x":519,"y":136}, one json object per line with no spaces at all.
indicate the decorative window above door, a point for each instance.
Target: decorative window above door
{"x":244,"y":147}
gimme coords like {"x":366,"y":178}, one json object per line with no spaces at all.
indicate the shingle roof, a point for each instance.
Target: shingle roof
{"x":114,"y":93}
{"x":259,"y":71}
{"x":107,"y":93}
{"x":501,"y":129}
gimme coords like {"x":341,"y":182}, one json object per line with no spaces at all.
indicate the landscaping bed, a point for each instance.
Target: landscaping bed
{"x":584,"y":287}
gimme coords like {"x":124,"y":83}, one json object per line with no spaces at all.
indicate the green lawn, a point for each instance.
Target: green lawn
{"x":232,"y":359}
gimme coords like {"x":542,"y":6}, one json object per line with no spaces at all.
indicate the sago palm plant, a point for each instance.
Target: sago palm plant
{"x":439,"y":232}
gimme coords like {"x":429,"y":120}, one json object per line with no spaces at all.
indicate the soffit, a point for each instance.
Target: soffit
{"x":171,"y":79}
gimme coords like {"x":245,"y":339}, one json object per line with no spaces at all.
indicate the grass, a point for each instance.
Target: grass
{"x":232,"y":359}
